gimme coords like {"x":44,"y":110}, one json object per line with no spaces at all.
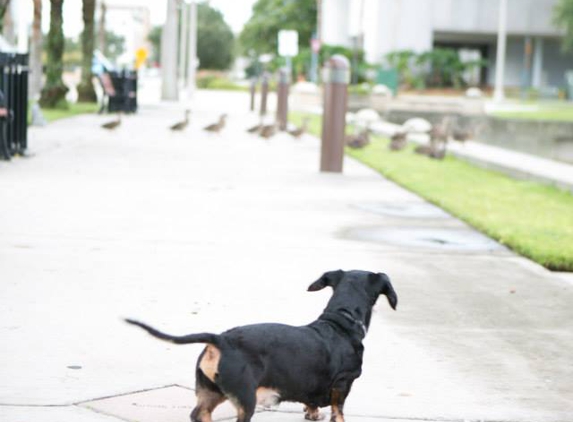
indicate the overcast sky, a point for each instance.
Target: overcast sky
{"x":235,"y":12}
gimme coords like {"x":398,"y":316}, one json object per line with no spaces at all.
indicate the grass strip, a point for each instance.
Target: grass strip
{"x":530,"y":218}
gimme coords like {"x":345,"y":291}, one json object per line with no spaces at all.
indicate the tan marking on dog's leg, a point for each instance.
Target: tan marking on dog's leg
{"x":267,"y":397}
{"x":312,"y":413}
{"x":207,"y":401}
{"x":209,"y":364}
{"x":336,"y":407}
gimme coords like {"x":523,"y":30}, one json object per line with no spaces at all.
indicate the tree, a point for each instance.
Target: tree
{"x":215,"y":40}
{"x":154,"y":38}
{"x":4,"y":4}
{"x":114,"y":45}
{"x":54,"y":92}
{"x":563,"y":18}
{"x":86,"y":92}
{"x":269,"y":16}
{"x":36,"y":46}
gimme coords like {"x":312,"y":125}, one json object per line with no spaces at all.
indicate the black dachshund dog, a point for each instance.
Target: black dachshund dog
{"x":315,"y":364}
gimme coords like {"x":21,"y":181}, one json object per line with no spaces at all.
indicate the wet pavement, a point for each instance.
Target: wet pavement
{"x":195,"y":232}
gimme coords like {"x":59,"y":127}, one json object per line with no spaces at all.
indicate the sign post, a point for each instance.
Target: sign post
{"x":288,"y":45}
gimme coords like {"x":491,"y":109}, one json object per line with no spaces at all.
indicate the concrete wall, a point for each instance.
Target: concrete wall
{"x":547,"y":139}
{"x":336,"y":22}
{"x":532,"y":17}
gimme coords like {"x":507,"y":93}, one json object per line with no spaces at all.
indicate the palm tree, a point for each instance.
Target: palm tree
{"x":86,"y":92}
{"x":4,"y":4}
{"x":36,"y":51}
{"x":54,"y":92}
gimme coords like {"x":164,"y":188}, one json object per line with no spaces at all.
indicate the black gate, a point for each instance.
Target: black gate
{"x":13,"y":104}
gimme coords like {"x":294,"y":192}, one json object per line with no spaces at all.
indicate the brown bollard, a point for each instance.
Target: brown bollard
{"x":253,"y":89}
{"x":282,"y":98}
{"x":336,"y":75}
{"x":264,"y":93}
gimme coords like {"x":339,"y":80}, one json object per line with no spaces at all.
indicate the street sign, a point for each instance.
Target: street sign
{"x":288,"y":43}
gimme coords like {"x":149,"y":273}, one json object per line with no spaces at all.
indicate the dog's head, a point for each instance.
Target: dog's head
{"x":355,"y":292}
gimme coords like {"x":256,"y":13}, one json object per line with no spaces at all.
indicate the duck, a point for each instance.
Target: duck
{"x":113,"y":124}
{"x":398,"y":141}
{"x":299,"y":131}
{"x":359,"y":140}
{"x":268,"y":131}
{"x":183,"y":124}
{"x":217,"y":127}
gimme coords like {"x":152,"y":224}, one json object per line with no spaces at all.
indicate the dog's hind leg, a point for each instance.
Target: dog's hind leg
{"x":337,"y":404}
{"x":207,"y":401}
{"x":209,"y":396}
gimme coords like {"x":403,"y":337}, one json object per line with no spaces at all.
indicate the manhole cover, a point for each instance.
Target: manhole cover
{"x":441,"y":239}
{"x":406,"y":210}
{"x":167,"y":404}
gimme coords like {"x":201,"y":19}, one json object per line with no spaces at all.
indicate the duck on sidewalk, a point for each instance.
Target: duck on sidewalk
{"x":183,"y":124}
{"x":217,"y":127}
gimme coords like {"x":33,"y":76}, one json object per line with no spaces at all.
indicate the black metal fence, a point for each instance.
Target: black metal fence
{"x":13,"y":104}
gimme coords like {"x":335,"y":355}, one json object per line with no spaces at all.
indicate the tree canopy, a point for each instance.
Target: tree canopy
{"x":215,"y":40}
{"x":563,"y":17}
{"x":270,"y":16}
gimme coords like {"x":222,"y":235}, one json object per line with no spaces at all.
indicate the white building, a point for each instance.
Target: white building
{"x":533,"y":56}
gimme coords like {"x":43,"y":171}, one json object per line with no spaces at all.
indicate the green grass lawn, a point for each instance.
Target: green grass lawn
{"x":74,"y":109}
{"x":562,"y":113}
{"x":532,"y":219}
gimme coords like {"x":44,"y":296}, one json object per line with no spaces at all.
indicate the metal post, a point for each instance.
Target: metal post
{"x":336,"y":77}
{"x":169,"y":90}
{"x":192,"y":54}
{"x":282,"y":98}
{"x":498,"y":94}
{"x":253,"y":90}
{"x":264,"y":93}
{"x":184,"y":8}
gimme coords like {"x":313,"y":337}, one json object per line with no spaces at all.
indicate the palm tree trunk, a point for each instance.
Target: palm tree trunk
{"x":36,"y":52}
{"x":86,"y":92}
{"x":3,"y":8}
{"x":54,"y":92}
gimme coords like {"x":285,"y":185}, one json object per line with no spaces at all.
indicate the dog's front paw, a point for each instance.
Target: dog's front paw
{"x":312,"y":414}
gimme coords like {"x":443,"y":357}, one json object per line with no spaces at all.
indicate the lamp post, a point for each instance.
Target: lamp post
{"x":498,"y":94}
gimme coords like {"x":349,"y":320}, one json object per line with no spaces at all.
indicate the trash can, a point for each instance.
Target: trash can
{"x":125,"y":87}
{"x":569,"y":80}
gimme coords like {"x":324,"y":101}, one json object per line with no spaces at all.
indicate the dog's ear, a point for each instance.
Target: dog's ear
{"x":384,"y":286}
{"x":330,"y":278}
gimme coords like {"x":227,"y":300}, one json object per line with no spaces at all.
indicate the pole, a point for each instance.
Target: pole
{"x":192,"y":54}
{"x":264,"y":93}
{"x":336,"y":78}
{"x":169,"y":90}
{"x":183,"y":37}
{"x":101,"y":29}
{"x":253,"y":90}
{"x":498,"y":94}
{"x":282,"y":98}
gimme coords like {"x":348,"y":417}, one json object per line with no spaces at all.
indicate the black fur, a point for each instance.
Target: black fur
{"x":314,"y":364}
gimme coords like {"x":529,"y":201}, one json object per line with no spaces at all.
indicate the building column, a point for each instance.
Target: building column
{"x":184,"y":7}
{"x":537,"y":79}
{"x":498,"y":93}
{"x":527,"y":54}
{"x":192,"y":60}
{"x":169,"y":43}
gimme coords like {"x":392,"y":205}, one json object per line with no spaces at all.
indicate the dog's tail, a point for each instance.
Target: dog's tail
{"x":388,"y":291}
{"x":186,"y":339}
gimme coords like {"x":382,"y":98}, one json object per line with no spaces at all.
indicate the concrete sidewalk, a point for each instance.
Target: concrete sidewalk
{"x":198,"y":232}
